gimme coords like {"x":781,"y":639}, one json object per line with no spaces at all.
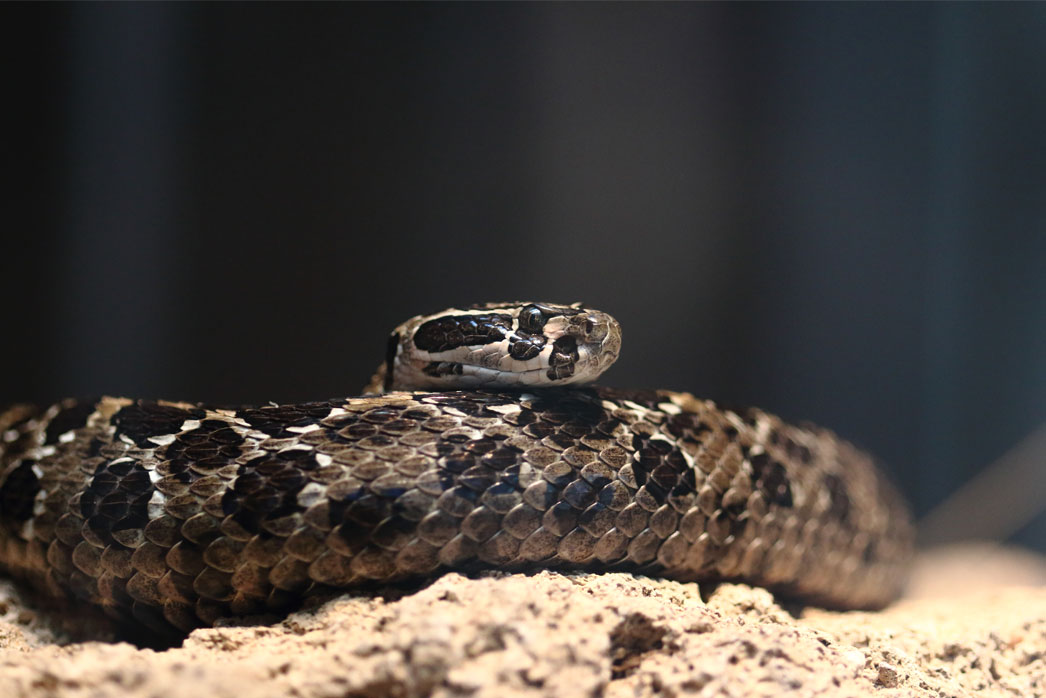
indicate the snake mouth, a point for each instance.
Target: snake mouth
{"x":561,"y":362}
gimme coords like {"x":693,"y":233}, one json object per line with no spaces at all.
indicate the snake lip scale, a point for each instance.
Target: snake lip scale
{"x":174,"y":515}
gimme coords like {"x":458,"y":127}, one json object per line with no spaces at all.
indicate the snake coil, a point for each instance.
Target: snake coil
{"x":179,"y":514}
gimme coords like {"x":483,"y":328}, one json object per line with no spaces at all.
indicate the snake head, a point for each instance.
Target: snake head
{"x":500,"y":345}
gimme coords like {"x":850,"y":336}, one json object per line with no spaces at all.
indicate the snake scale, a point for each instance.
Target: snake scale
{"x":175,"y":515}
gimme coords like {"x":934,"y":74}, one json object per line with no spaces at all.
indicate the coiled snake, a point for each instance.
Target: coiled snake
{"x":179,"y":514}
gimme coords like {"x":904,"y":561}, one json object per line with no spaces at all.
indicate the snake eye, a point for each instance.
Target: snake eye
{"x":531,"y":319}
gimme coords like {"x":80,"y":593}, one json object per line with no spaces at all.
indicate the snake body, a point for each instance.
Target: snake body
{"x":178,"y":514}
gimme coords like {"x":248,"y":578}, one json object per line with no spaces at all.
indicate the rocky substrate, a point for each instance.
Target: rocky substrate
{"x":974,"y":623}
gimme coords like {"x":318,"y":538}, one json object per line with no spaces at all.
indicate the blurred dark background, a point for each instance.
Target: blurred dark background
{"x":836,"y":212}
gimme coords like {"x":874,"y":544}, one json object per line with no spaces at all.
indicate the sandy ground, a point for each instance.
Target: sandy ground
{"x":974,"y":623}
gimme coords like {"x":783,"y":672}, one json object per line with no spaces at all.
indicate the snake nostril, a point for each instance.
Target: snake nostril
{"x":595,"y":330}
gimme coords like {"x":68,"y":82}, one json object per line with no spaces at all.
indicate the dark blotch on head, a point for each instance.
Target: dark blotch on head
{"x":564,"y":356}
{"x":526,"y":348}
{"x":453,"y":331}
{"x":532,"y":319}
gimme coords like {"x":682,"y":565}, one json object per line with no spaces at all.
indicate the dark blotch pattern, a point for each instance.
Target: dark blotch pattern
{"x":525,"y":347}
{"x":532,"y":319}
{"x":145,"y":419}
{"x":277,"y":421}
{"x":17,"y":494}
{"x":116,"y":497}
{"x":247,"y":512}
{"x":563,"y":359}
{"x":72,"y":417}
{"x":266,"y":487}
{"x":772,"y":479}
{"x":203,"y":450}
{"x":453,"y":331}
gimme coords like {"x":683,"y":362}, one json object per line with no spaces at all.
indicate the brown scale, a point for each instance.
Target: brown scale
{"x":178,"y":515}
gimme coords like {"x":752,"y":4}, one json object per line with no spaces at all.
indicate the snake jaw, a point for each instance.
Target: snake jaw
{"x":501,"y":345}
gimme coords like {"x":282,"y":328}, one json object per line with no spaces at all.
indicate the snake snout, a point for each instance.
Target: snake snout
{"x":601,"y":331}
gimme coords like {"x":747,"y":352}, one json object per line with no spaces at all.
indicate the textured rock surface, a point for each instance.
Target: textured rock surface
{"x":609,"y":635}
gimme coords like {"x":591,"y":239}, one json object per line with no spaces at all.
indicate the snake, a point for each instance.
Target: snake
{"x":479,"y":444}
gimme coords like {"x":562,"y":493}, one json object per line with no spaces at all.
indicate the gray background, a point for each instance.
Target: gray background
{"x":836,"y":212}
